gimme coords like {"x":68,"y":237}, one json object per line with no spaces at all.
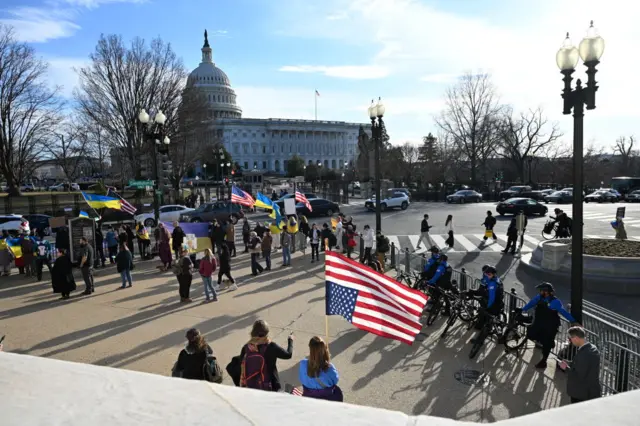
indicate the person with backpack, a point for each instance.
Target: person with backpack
{"x":265,"y":246}
{"x":124,"y":265}
{"x":318,"y":376}
{"x":196,"y":360}
{"x":184,"y":270}
{"x":207,"y":267}
{"x":258,"y":368}
{"x":246,"y":231}
{"x":255,"y":247}
{"x":314,"y":236}
{"x":225,"y":268}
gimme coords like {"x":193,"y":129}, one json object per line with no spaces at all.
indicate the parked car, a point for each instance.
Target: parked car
{"x":613,"y":191}
{"x":220,"y":210}
{"x":14,"y":223}
{"x":64,"y":187}
{"x":548,"y":191}
{"x":465,"y":196}
{"x":515,"y":191}
{"x":319,"y":206}
{"x":559,"y":197}
{"x":529,"y":206}
{"x":633,"y":196}
{"x":39,"y":222}
{"x":280,"y":201}
{"x":27,"y":187}
{"x":393,"y":200}
{"x":601,"y":196}
{"x":169,"y":213}
{"x":403,"y":190}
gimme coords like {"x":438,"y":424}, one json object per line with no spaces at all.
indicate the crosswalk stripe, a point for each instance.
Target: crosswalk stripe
{"x":464,"y":242}
{"x":394,"y":240}
{"x":493,"y":245}
{"x":440,"y":242}
{"x":531,"y":240}
{"x":413,"y":239}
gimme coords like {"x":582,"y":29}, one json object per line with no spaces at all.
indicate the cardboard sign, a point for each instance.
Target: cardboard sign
{"x":57,"y":222}
{"x":289,"y":206}
{"x":620,"y":212}
{"x":80,"y":227}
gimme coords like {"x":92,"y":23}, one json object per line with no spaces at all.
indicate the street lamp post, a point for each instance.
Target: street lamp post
{"x":219,"y":158}
{"x":530,"y":160}
{"x":377,"y":111}
{"x":590,"y":50}
{"x":319,"y":176}
{"x":204,"y":166}
{"x":153,"y":132}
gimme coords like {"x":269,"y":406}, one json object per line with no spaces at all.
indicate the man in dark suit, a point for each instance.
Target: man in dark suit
{"x":583,"y":381}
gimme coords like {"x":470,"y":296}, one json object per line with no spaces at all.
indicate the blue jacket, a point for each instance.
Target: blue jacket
{"x":439,"y":272}
{"x":433,"y":259}
{"x":329,"y":378}
{"x":494,"y":290}
{"x":484,"y":280}
{"x":553,"y":303}
{"x":111,"y":240}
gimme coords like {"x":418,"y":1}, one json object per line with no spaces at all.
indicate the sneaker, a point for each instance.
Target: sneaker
{"x":129,"y":286}
{"x":542,"y":364}
{"x":216,"y":288}
{"x":233,"y":287}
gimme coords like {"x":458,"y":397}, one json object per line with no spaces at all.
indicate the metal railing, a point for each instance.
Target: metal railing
{"x":616,"y":337}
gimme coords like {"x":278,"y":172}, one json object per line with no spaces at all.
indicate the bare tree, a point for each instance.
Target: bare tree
{"x":194,"y":137}
{"x":471,"y":107}
{"x":628,"y":155}
{"x":67,"y":148}
{"x":556,"y":160}
{"x":29,"y":109}
{"x":122,"y":80}
{"x":410,"y":155}
{"x":525,"y":136}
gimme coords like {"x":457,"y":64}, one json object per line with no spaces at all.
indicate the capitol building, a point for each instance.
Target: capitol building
{"x":268,"y":144}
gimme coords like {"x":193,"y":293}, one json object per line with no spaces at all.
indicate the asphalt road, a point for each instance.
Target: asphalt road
{"x":403,"y":229}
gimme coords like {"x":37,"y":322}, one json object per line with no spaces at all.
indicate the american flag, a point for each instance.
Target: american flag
{"x":296,"y":391}
{"x":238,"y":196}
{"x":302,"y":199}
{"x":126,"y":206}
{"x":372,"y":301}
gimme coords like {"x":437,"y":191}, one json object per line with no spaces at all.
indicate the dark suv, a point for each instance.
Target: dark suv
{"x":517,"y":191}
{"x":220,"y":210}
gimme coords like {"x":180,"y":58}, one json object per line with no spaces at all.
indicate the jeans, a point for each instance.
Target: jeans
{"x":314,"y":251}
{"x":256,"y":268}
{"x":302,"y":241}
{"x":113,"y":251}
{"x":126,"y":277}
{"x":366,"y":258}
{"x":267,"y":258}
{"x":286,"y":256}
{"x":87,"y":276}
{"x":208,"y":289}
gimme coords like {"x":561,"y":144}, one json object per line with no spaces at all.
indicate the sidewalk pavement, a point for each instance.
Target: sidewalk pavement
{"x":143,"y":328}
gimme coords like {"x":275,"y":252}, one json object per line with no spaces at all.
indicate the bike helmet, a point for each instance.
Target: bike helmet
{"x":545,"y":286}
{"x":434,"y":249}
{"x":490,"y":270}
{"x":484,"y":268}
{"x":444,"y":257}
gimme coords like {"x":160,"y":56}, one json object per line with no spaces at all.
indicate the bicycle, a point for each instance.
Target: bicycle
{"x":493,"y":326}
{"x":516,"y":330}
{"x":408,"y":279}
{"x":550,"y":231}
{"x":441,"y":301}
{"x":460,"y":309}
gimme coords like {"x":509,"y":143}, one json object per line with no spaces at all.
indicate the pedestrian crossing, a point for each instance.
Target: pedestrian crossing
{"x":472,"y":243}
{"x":608,"y":217}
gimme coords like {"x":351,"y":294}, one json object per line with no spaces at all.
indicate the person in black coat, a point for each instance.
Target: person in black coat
{"x":100,"y":259}
{"x":177,"y":238}
{"x":225,"y":267}
{"x":62,"y":238}
{"x":261,"y":341}
{"x":191,"y":360}
{"x":62,"y":275}
{"x":130,"y":239}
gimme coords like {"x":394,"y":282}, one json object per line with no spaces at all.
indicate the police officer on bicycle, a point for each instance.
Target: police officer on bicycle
{"x":547,"y":319}
{"x":441,"y":281}
{"x":490,"y":294}
{"x":432,"y":264}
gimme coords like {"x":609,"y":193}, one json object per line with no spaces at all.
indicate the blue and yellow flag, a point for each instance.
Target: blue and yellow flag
{"x":263,"y":202}
{"x":197,"y":235}
{"x":14,"y":245}
{"x":275,"y":213}
{"x":102,"y":201}
{"x":83,"y":214}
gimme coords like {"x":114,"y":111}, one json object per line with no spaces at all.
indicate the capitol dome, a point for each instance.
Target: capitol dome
{"x":216,"y":85}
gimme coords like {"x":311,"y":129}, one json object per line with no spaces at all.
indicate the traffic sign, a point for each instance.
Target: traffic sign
{"x":140,"y":183}
{"x":620,"y":211}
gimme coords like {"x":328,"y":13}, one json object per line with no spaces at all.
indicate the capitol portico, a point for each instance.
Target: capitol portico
{"x":268,"y":144}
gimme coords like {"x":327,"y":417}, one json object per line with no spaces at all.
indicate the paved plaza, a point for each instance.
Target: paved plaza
{"x":142,"y":328}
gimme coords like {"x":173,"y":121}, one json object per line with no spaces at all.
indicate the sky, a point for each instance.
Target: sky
{"x":408,"y":52}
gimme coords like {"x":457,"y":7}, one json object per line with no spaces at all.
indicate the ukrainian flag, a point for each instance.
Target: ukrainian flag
{"x":263,"y":202}
{"x":14,"y":245}
{"x":102,"y":201}
{"x":275,"y":214}
{"x":197,"y":235}
{"x":83,"y":214}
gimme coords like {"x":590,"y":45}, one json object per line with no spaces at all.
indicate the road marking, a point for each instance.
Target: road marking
{"x":531,"y":240}
{"x":495,"y":246}
{"x":440,"y":242}
{"x":464,"y":242}
{"x":394,"y":240}
{"x":413,"y":239}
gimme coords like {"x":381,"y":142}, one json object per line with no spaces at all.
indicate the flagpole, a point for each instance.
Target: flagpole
{"x":315,"y":98}
{"x":326,"y":317}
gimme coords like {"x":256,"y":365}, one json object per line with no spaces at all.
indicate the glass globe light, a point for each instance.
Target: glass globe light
{"x":373,"y":110}
{"x":592,"y":46}
{"x":160,"y":117}
{"x":143,"y":116}
{"x":166,"y":140}
{"x":380,"y":108}
{"x":567,"y":57}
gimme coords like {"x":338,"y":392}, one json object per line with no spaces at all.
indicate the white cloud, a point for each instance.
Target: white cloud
{"x":415,"y":41}
{"x":359,"y":72}
{"x":35,"y":25}
{"x":337,"y":16}
{"x":440,"y":78}
{"x":62,"y":73}
{"x":91,"y":4}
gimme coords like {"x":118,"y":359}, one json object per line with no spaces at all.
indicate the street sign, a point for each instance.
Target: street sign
{"x":620,"y":212}
{"x":140,"y":183}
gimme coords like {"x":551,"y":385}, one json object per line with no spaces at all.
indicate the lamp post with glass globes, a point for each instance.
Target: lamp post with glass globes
{"x":153,"y":133}
{"x":219,"y":159}
{"x":376,"y":111}
{"x":590,"y":50}
{"x":204,"y":166}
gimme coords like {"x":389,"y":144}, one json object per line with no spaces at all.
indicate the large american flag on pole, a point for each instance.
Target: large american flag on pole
{"x":372,"y":301}
{"x":238,"y":196}
{"x":126,"y":206}
{"x":300,"y":197}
